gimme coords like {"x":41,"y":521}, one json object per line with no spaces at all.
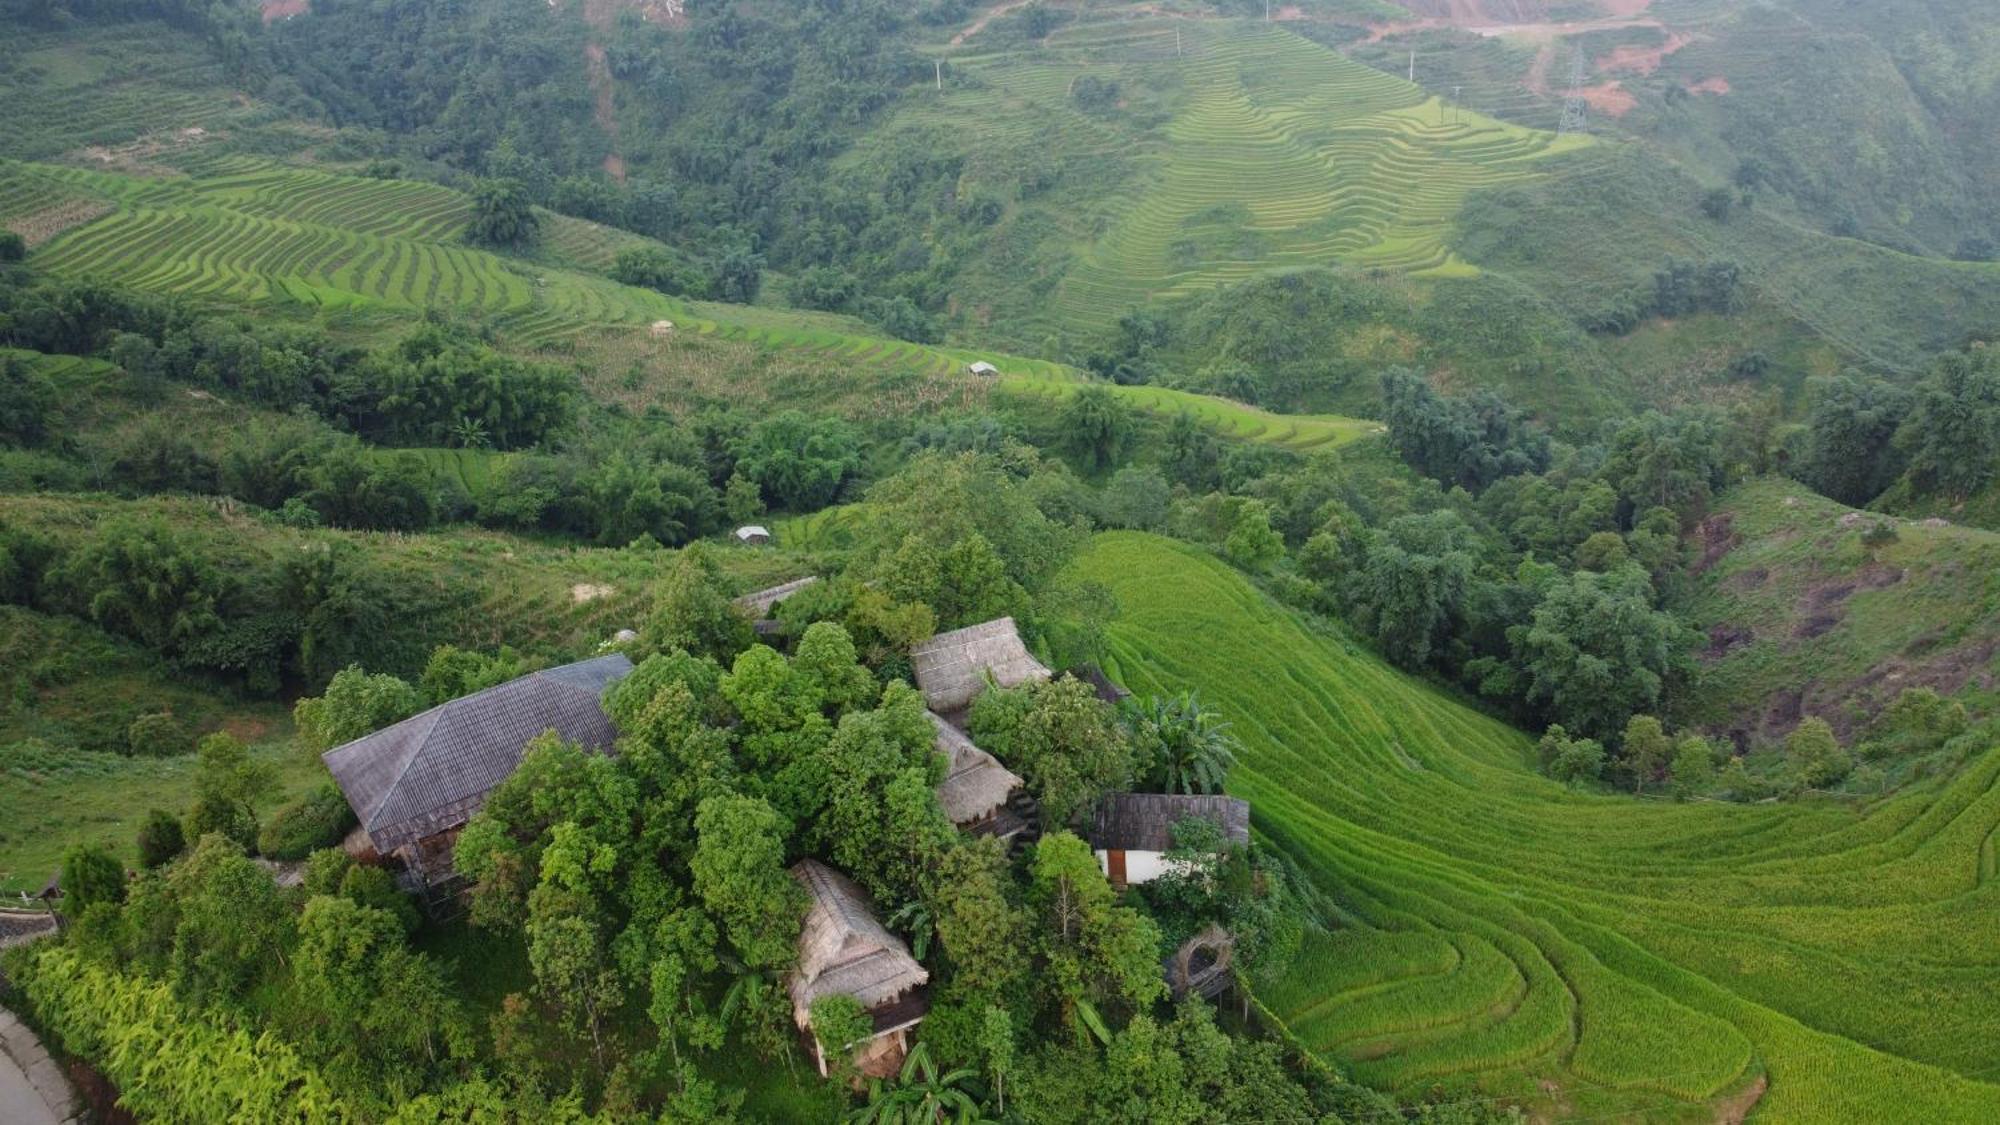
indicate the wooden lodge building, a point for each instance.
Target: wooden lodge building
{"x":413,"y":785}
{"x":845,"y":951}
{"x":1134,"y":831}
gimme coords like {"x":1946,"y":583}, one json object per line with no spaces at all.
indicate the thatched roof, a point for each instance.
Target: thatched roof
{"x":844,"y":950}
{"x":976,"y":785}
{"x":431,"y":772}
{"x":951,"y":668}
{"x":760,"y":603}
{"x":1144,"y":822}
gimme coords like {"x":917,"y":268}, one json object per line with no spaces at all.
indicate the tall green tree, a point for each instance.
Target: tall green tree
{"x":739,"y":872}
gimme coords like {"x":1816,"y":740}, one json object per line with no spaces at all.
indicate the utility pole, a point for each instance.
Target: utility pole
{"x":1455,"y":103}
{"x":1177,"y":42}
{"x":1267,"y":11}
{"x":1575,"y":108}
{"x":1413,"y":68}
{"x":939,"y":63}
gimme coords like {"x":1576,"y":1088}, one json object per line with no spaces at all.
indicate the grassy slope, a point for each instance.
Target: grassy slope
{"x":1830,"y":629}
{"x":1589,"y":954}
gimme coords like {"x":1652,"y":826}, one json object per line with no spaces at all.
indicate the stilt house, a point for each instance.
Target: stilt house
{"x":845,"y":951}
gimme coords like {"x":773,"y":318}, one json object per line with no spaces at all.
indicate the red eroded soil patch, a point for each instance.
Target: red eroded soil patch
{"x":1610,"y":98}
{"x":1641,"y":60}
{"x":1479,"y":11}
{"x":275,"y":10}
{"x":1715,"y":85}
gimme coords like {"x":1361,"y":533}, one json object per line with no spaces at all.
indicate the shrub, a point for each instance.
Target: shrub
{"x":13,"y":247}
{"x":91,"y":875}
{"x":317,"y":820}
{"x":159,"y":735}
{"x":160,"y":839}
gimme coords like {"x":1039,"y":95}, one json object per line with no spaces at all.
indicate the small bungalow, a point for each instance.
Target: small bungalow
{"x":1134,"y":831}
{"x":976,"y":786}
{"x":982,"y":368}
{"x":845,"y":951}
{"x":413,"y":785}
{"x":753,"y":535}
{"x":952,"y":668}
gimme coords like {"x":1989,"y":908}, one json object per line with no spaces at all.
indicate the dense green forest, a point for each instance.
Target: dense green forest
{"x":1575,"y":544}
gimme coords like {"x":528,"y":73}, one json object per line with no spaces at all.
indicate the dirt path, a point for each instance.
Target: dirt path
{"x":986,"y":17}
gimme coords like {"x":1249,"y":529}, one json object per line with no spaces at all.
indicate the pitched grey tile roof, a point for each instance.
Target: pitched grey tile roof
{"x":1144,"y":822}
{"x":431,"y":772}
{"x":951,"y":668}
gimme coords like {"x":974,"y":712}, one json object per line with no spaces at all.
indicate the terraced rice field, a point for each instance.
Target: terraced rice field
{"x":247,"y":231}
{"x":1591,"y":956}
{"x":109,"y":85}
{"x":1278,"y":154}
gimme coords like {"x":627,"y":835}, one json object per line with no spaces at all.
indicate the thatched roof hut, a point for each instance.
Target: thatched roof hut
{"x":760,"y":604}
{"x":429,"y":773}
{"x":952,"y":668}
{"x":845,"y":951}
{"x":1144,"y":822}
{"x":976,"y":785}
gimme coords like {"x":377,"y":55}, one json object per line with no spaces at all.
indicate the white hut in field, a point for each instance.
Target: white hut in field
{"x":953,"y":668}
{"x":1134,"y":831}
{"x":753,"y":535}
{"x":982,"y":369}
{"x":845,"y":951}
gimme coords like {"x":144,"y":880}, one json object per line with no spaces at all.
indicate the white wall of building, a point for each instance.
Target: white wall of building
{"x":1140,"y":867}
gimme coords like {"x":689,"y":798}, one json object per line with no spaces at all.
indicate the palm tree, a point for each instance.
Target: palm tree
{"x":755,"y":1004}
{"x":914,"y":919}
{"x":469,"y":433}
{"x":1193,"y":748}
{"x":921,"y":1096}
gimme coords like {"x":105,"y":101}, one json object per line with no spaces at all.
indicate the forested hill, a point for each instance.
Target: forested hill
{"x":1090,"y":182}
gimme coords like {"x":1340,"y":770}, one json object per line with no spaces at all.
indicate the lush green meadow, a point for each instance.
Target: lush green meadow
{"x":1589,"y":954}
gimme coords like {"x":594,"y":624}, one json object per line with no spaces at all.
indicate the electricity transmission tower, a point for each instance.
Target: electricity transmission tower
{"x":1574,"y":107}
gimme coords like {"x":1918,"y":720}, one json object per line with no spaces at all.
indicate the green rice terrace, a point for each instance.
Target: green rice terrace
{"x":1265,"y":151}
{"x":248,"y":232}
{"x":1596,"y":956}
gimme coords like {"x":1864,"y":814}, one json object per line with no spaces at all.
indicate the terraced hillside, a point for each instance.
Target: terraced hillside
{"x":1269,"y":152}
{"x":243,"y":231}
{"x":1594,"y":956}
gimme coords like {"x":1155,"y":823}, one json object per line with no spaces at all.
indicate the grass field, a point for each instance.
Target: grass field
{"x":1592,"y":956}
